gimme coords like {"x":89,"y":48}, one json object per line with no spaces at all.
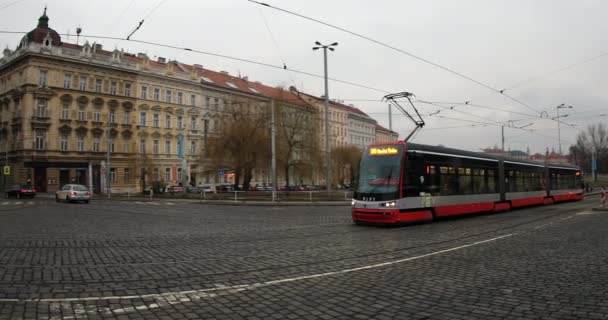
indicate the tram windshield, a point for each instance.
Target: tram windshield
{"x":379,"y":173}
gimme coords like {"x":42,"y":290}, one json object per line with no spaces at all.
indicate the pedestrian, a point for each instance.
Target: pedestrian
{"x":603,"y":196}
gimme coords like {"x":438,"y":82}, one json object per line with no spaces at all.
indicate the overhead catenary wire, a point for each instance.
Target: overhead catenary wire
{"x":10,"y":4}
{"x":276,"y":44}
{"x":252,"y":62}
{"x":437,"y":65}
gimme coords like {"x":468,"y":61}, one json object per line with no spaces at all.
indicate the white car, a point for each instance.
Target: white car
{"x":73,"y":192}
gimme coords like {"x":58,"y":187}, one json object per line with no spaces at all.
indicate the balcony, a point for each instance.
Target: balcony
{"x":41,"y":120}
{"x":97,"y":124}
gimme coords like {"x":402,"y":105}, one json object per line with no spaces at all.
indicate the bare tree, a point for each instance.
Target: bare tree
{"x":296,"y":136}
{"x":346,"y":163}
{"x":592,"y":139}
{"x":241,"y":140}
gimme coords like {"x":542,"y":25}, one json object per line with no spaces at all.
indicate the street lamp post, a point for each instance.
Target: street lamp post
{"x":327,"y":146}
{"x":559,"y":137}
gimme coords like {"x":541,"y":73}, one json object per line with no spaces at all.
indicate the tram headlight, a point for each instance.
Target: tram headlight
{"x":390,"y":204}
{"x":352,"y":203}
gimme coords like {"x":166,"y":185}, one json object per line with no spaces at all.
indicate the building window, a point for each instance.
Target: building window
{"x":67,"y":81}
{"x":180,"y":122}
{"x":156,"y":94}
{"x":216,"y":103}
{"x":127,"y":89}
{"x":142,"y":119}
{"x":40,"y":140}
{"x":112,"y":174}
{"x":63,"y":143}
{"x":168,"y":121}
{"x":168,"y":147}
{"x":43,"y":78}
{"x":155,"y":147}
{"x":180,"y":97}
{"x":168,"y":96}
{"x":142,"y":146}
{"x":156,"y":174}
{"x":83,"y":83}
{"x":82,"y":114}
{"x":193,"y":100}
{"x":41,"y":107}
{"x":127,"y":175}
{"x":113,"y":88}
{"x":167,"y":174}
{"x":112,"y":116}
{"x":155,"y":120}
{"x":144,"y":92}
{"x":98,"y":84}
{"x":112,"y":146}
{"x":97,"y":116}
{"x":192,"y":147}
{"x":126,"y":146}
{"x":192,"y":123}
{"x":65,"y":111}
{"x":96,"y":143}
{"x":179,"y":174}
{"x":126,"y":117}
{"x":80,"y":143}
{"x":207,"y":102}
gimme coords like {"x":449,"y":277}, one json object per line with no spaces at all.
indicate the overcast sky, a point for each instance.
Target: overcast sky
{"x":498,"y":43}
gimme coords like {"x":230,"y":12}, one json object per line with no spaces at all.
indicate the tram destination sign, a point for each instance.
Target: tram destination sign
{"x":383,"y":151}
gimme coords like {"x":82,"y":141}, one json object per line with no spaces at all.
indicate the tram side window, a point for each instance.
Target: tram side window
{"x":491,"y":177}
{"x":465,"y":181}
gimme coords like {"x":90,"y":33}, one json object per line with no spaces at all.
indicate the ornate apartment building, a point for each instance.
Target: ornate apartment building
{"x":66,"y":107}
{"x":63,"y":106}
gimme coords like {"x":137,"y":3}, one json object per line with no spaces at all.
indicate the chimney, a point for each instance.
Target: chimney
{"x":224,"y":72}
{"x":197,"y":66}
{"x":246,"y":78}
{"x":162,"y":60}
{"x":98,"y":47}
{"x":141,"y":55}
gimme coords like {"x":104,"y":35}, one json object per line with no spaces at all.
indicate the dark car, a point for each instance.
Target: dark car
{"x":20,"y":191}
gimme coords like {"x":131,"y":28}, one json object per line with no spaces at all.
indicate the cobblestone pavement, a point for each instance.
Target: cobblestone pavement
{"x":125,"y":260}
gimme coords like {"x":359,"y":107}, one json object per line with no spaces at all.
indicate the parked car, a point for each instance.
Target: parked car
{"x":193,"y":189}
{"x":20,"y":191}
{"x":73,"y":192}
{"x":175,"y":189}
{"x":205,"y":189}
{"x":224,"y":188}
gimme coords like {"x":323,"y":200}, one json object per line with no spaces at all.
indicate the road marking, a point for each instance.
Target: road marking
{"x":18,"y":202}
{"x":154,"y":203}
{"x":137,"y":202}
{"x":5,"y":203}
{"x":170,"y":203}
{"x":201,"y":293}
{"x":30,"y":202}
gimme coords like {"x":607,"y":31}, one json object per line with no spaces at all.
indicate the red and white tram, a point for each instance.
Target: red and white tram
{"x":406,"y":182}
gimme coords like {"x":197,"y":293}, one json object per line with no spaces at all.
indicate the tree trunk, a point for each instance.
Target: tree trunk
{"x":286,"y":176}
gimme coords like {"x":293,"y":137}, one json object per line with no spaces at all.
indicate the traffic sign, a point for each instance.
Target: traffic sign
{"x":7,"y":170}
{"x":220,"y":172}
{"x":103,"y":170}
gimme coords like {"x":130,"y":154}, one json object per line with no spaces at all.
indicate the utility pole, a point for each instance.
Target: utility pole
{"x":108,"y":167}
{"x":327,"y":145}
{"x":390,"y":117}
{"x":559,"y":136}
{"x":273,"y":150}
{"x":502,"y":135}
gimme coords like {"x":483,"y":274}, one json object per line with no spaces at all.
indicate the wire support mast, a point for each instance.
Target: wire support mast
{"x":418,"y":121}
